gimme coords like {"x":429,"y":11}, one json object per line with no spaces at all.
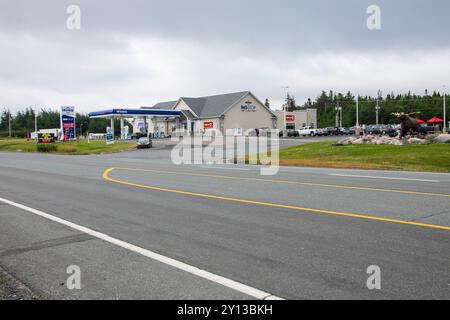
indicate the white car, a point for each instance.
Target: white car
{"x":144,"y":143}
{"x":307,"y":131}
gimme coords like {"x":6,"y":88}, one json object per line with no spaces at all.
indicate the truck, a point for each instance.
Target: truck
{"x":307,"y":131}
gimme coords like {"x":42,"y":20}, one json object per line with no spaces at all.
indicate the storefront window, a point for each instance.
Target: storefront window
{"x":290,"y":126}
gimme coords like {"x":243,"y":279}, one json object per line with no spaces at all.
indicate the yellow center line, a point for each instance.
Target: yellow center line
{"x":311,"y":184}
{"x":269,"y":204}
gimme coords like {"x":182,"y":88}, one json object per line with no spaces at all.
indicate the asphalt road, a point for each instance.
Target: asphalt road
{"x":305,"y":233}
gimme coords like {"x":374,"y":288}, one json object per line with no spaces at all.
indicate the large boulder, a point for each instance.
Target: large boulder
{"x":443,"y":138}
{"x":383,"y":140}
{"x":396,"y":142}
{"x":417,"y":141}
{"x":346,"y":141}
{"x":431,"y":137}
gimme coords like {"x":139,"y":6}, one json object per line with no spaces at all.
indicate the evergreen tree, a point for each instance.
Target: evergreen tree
{"x":4,"y":120}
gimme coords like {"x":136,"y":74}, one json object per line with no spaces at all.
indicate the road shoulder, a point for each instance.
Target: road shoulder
{"x":13,"y":289}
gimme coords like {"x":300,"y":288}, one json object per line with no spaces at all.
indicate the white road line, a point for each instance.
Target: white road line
{"x":385,"y":178}
{"x":240,"y":287}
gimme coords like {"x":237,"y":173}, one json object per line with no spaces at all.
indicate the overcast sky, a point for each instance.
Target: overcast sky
{"x":138,"y":52}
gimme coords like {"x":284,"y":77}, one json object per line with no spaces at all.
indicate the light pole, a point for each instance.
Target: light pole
{"x":357,"y":110}
{"x":9,"y":124}
{"x":286,"y":89}
{"x":377,"y":108}
{"x":445,"y":112}
{"x":338,"y":116}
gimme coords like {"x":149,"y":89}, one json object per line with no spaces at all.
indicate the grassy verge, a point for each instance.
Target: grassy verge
{"x":432,"y":158}
{"x":82,"y":148}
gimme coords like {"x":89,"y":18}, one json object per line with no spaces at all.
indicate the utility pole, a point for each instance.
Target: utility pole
{"x":338,"y":109}
{"x":286,"y":88}
{"x":445,"y":112}
{"x":357,"y":110}
{"x":377,"y":108}
{"x":9,"y":124}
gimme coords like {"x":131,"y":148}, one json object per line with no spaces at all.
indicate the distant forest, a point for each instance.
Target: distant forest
{"x":22,"y":122}
{"x":429,"y":105}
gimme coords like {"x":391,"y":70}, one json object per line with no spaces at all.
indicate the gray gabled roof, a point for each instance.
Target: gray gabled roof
{"x":164,"y":105}
{"x":208,"y":107}
{"x":213,"y":106}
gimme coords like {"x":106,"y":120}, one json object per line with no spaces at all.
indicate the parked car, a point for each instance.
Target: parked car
{"x":292,"y":133}
{"x":374,"y":130}
{"x":322,"y":132}
{"x":331,"y":131}
{"x":352,"y":130}
{"x":307,"y":131}
{"x":344,"y":131}
{"x":427,"y":129}
{"x":389,"y":130}
{"x":144,"y":143}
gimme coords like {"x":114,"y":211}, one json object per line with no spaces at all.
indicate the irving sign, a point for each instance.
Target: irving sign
{"x":68,"y":123}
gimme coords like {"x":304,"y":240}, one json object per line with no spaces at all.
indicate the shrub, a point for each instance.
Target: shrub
{"x":67,"y":149}
{"x":43,"y":147}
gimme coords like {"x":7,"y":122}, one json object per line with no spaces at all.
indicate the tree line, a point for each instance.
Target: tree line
{"x":429,"y":106}
{"x":23,"y":122}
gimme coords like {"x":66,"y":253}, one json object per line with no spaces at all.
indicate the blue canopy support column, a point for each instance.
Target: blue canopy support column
{"x":112,"y":127}
{"x":122,"y":129}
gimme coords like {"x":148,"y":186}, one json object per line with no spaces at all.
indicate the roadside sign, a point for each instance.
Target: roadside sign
{"x":290,"y":117}
{"x":109,"y":136}
{"x":46,"y":138}
{"x":208,"y":125}
{"x":68,"y":123}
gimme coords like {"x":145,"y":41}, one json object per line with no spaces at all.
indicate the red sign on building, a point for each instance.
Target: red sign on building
{"x":290,"y":117}
{"x":208,"y":125}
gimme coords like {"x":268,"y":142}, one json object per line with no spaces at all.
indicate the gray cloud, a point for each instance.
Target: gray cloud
{"x":138,"y":52}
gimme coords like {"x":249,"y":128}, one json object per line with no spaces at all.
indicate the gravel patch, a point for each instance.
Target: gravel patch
{"x":12,"y":289}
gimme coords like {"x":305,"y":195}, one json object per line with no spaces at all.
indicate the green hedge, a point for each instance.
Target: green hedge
{"x":43,"y":147}
{"x":14,"y":134}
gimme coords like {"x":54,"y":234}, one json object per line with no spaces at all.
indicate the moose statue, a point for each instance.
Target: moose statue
{"x":408,"y":122}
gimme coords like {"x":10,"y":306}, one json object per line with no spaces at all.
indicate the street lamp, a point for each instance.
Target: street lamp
{"x":286,"y":89}
{"x":357,"y":110}
{"x":378,"y":108}
{"x":445,"y":111}
{"x":338,"y":116}
{"x":9,"y":124}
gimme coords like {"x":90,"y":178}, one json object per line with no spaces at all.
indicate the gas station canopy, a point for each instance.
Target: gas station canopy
{"x":130,"y":113}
